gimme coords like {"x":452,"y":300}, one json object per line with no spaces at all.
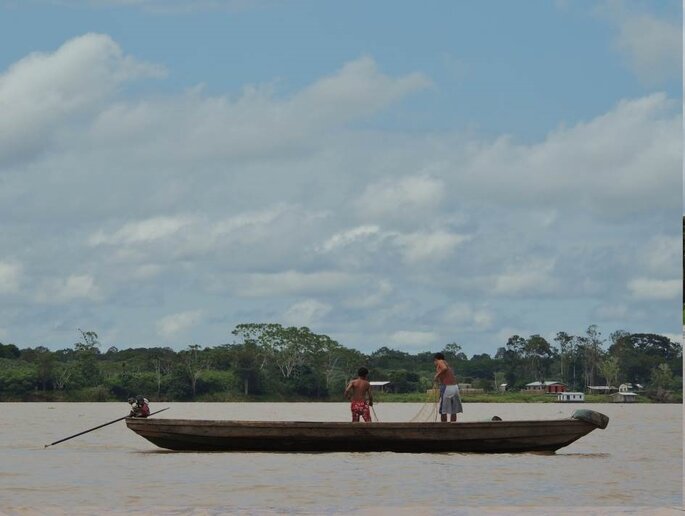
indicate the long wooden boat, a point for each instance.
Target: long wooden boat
{"x":298,"y":436}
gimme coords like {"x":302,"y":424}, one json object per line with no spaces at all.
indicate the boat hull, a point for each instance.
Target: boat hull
{"x":295,"y":436}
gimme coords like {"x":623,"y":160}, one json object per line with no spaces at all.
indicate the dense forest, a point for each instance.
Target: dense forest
{"x":269,"y":361}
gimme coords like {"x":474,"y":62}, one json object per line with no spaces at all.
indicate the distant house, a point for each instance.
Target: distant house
{"x":625,"y":387}
{"x":571,"y":397}
{"x":466,"y":388}
{"x":379,"y":386}
{"x":629,"y":387}
{"x":545,"y":387}
{"x":600,"y":389}
{"x":502,"y":387}
{"x":624,"y":397}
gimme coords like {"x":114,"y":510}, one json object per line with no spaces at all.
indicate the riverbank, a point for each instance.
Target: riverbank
{"x":88,"y":395}
{"x":500,"y":397}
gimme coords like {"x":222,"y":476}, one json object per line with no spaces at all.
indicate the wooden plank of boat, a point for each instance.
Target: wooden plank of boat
{"x":302,"y":436}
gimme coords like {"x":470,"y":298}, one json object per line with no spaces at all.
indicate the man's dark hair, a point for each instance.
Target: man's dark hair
{"x":363,"y":371}
{"x":439,"y":356}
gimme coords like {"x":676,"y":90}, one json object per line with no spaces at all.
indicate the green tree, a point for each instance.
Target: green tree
{"x":215,"y":382}
{"x":387,"y":358}
{"x":609,"y":368}
{"x":17,"y":377}
{"x":538,"y":353}
{"x":592,"y":353}
{"x":248,"y":365}
{"x":162,"y":366}
{"x":662,"y":382}
{"x":479,"y":365}
{"x":63,"y":374}
{"x":499,"y":378}
{"x":192,"y":365}
{"x":639,"y":353}
{"x":44,"y":361}
{"x":86,"y":351}
{"x":511,"y":357}
{"x":565,"y":343}
{"x":9,"y":351}
{"x":452,"y":352}
{"x":337,"y":363}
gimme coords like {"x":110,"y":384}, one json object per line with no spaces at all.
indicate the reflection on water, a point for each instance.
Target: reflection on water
{"x":635,"y":462}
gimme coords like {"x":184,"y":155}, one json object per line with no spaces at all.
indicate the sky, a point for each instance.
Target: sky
{"x":386,"y":173}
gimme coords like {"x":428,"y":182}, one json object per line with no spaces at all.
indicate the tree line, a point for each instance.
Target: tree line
{"x":270,"y":361}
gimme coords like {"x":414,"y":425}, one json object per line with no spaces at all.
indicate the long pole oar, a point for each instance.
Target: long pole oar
{"x":99,"y":426}
{"x":374,"y":413}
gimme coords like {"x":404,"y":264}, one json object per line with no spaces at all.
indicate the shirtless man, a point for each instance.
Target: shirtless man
{"x":450,"y":402}
{"x":357,"y":391}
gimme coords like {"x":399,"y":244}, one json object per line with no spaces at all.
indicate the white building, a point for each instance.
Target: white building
{"x":571,"y":397}
{"x":379,"y":386}
{"x":629,"y":387}
{"x":624,"y":397}
{"x":600,"y":389}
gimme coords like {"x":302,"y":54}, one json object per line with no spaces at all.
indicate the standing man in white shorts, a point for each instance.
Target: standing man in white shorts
{"x":450,"y":402}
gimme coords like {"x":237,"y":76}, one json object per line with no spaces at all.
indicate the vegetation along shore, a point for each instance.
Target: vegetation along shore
{"x":269,"y":362}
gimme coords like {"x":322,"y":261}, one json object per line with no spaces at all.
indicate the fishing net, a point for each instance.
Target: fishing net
{"x":428,"y":413}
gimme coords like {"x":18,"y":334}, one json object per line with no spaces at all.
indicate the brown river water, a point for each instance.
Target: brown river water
{"x":634,"y":466}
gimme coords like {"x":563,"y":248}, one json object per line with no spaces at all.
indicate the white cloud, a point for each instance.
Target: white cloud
{"x":465,"y":316}
{"x":147,"y":271}
{"x":371,"y":296}
{"x":256,"y":124}
{"x":267,"y":239}
{"x":629,"y":315}
{"x":436,"y":246}
{"x":585,"y":166}
{"x":295,"y":283}
{"x":519,"y":282}
{"x":162,"y":6}
{"x":533,"y":277}
{"x":646,"y":288}
{"x":142,"y":232}
{"x":173,"y":324}
{"x":281,"y":205}
{"x":306,"y":313}
{"x":10,"y":277}
{"x":249,"y":222}
{"x":74,"y":287}
{"x":282,"y":226}
{"x":662,"y":255}
{"x":413,"y":339}
{"x":44,"y":91}
{"x":349,"y":236}
{"x":619,"y":311}
{"x":404,"y":197}
{"x":651,"y":45}
{"x":414,"y":247}
{"x":353,"y":91}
